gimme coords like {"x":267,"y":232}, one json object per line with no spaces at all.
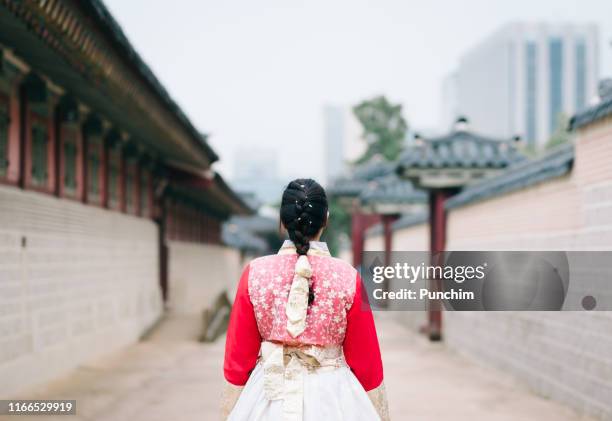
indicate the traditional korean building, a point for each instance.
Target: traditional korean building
{"x":348,"y":190}
{"x":558,"y":201}
{"x":373,"y":193}
{"x":444,"y":166}
{"x":428,"y":172}
{"x":109,"y":207}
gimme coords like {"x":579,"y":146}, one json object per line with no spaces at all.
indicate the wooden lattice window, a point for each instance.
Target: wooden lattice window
{"x":113,"y":180}
{"x":4,"y":137}
{"x":94,"y":168}
{"x":70,"y":164}
{"x":40,"y":140}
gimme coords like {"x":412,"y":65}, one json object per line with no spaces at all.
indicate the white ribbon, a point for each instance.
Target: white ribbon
{"x":284,"y":367}
{"x":297,"y":303}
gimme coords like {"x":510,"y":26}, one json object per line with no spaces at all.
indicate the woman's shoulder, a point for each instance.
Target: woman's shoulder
{"x":342,"y":264}
{"x":338,"y":268}
{"x":260,"y":259}
{"x":270,"y":260}
{"x":335,"y":262}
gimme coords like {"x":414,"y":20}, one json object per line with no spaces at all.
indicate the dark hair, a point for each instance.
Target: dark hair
{"x":303,"y":212}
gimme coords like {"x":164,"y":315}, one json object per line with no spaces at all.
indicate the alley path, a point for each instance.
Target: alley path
{"x":170,"y":376}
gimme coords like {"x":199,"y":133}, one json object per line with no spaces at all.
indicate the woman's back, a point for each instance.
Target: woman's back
{"x":333,"y":283}
{"x":299,"y":338}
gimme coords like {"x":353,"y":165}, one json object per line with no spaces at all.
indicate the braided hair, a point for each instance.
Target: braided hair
{"x":303,"y":212}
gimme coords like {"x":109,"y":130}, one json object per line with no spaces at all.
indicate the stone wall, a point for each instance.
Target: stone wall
{"x":199,"y":273}
{"x":76,"y":281}
{"x":564,"y":356}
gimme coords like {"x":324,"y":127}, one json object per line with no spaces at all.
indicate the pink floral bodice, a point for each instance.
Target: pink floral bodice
{"x":333,"y":283}
{"x":273,"y":287}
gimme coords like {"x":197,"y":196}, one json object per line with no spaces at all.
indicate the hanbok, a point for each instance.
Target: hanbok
{"x":291,"y":358}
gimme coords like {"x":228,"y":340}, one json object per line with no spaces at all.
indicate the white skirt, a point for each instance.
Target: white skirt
{"x":328,"y":395}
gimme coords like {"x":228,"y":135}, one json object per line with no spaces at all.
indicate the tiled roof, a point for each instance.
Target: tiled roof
{"x":592,"y":114}
{"x":113,"y":29}
{"x":347,"y":187}
{"x":250,"y":232}
{"x":257,"y":224}
{"x":213,"y":193}
{"x":238,"y":204}
{"x":556,"y":163}
{"x":357,"y":181}
{"x":376,"y":167}
{"x":519,"y":176}
{"x":462,"y":149}
{"x":242,"y":239}
{"x":391,"y":189}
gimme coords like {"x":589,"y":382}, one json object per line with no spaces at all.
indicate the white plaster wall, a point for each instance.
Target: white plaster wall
{"x":199,"y":273}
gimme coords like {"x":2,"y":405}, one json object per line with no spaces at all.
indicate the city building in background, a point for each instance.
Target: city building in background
{"x":256,"y":172}
{"x":524,"y":79}
{"x":343,"y":143}
{"x":450,"y":101}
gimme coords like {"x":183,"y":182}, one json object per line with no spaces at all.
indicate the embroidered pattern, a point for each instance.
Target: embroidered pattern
{"x":333,"y":282}
{"x":229,"y":397}
{"x":378,"y":397}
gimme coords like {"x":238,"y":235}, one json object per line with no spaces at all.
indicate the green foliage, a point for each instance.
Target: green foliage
{"x":384,"y":128}
{"x":338,"y":226}
{"x":561,"y":134}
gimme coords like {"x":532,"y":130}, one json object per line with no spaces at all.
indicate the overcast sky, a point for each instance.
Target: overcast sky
{"x":258,"y":73}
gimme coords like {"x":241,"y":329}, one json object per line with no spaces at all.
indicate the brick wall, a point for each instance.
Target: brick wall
{"x":199,"y":273}
{"x":75,"y":281}
{"x":565,"y":356}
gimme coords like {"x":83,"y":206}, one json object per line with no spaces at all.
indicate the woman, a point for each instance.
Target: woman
{"x":301,"y":345}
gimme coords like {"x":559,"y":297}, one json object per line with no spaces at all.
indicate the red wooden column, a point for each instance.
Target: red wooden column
{"x":437,"y":243}
{"x":10,"y":124}
{"x":387,"y":221}
{"x":360,"y":222}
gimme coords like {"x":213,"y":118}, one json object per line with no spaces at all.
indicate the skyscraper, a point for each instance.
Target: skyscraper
{"x":256,"y":172}
{"x":524,"y":78}
{"x":333,"y":122}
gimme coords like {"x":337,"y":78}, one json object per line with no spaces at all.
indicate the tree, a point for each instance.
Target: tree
{"x":339,"y":226}
{"x":384,"y":128}
{"x":560,"y":135}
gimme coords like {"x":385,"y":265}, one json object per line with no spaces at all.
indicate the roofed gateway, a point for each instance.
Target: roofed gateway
{"x":456,"y":159}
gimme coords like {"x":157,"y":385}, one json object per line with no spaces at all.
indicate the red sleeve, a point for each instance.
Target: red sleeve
{"x":361,"y":348}
{"x":243,"y":340}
